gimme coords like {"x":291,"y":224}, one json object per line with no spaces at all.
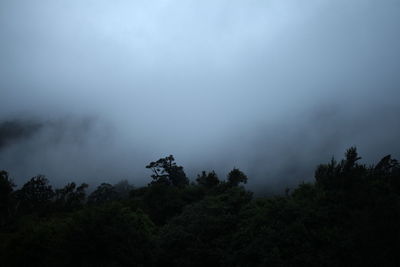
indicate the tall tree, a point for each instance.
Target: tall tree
{"x":70,"y":196}
{"x":35,"y":194}
{"x":166,"y":171}
{"x":207,"y":180}
{"x":236,"y":176}
{"x":103,"y":193}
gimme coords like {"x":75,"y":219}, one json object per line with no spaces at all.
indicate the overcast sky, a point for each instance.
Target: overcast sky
{"x":273,"y":87}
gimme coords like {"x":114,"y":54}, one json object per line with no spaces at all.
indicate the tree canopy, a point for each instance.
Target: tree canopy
{"x":349,"y":216}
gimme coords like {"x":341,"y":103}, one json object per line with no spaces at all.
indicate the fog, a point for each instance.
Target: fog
{"x":272,"y":87}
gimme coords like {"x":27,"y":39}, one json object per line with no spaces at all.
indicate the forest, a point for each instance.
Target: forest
{"x":348,"y":216}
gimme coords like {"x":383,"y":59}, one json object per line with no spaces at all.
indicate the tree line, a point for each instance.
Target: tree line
{"x":348,"y":216}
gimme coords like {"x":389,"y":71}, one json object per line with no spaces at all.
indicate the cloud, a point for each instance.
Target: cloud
{"x":253,"y":84}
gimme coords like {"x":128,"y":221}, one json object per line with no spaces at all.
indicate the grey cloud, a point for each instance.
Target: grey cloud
{"x":255,"y":84}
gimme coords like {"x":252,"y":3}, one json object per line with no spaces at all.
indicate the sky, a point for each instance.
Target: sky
{"x":97,"y":89}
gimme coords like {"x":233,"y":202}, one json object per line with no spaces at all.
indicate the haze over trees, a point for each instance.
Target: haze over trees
{"x":349,"y":216}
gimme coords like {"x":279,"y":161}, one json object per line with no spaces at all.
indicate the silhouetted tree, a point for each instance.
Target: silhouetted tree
{"x":70,"y":197}
{"x":341,"y":177}
{"x":387,"y":165}
{"x":103,"y":193}
{"x":235,"y":177}
{"x":35,"y":195}
{"x":207,"y":180}
{"x":351,"y":159}
{"x":167,"y":172}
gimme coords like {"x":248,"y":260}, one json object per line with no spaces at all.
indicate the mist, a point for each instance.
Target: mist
{"x":272,"y":87}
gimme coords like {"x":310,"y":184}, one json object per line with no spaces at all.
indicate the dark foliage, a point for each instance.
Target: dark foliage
{"x":35,"y":195}
{"x":236,"y":176}
{"x":70,"y":197}
{"x":167,"y":172}
{"x":349,"y":216}
{"x":103,"y":193}
{"x":6,"y":197}
{"x":208,"y":180}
